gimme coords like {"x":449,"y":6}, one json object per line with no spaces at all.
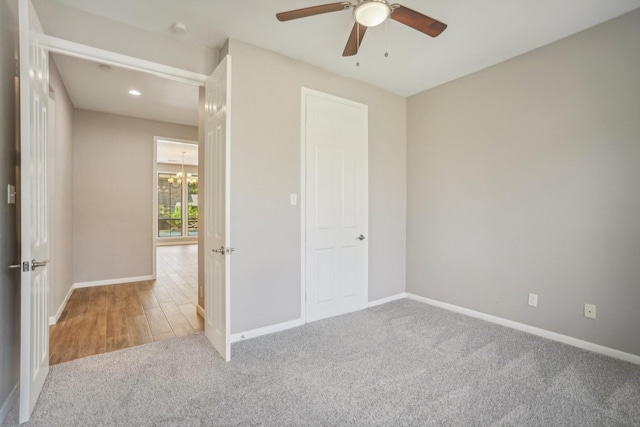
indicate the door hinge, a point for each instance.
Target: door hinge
{"x":25,"y":266}
{"x":17,"y":68}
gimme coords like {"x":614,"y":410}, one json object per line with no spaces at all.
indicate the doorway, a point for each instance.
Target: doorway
{"x":130,"y":300}
{"x":34,"y":54}
{"x":176,"y":204}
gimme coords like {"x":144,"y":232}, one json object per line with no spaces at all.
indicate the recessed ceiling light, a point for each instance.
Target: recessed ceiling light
{"x":134,"y":92}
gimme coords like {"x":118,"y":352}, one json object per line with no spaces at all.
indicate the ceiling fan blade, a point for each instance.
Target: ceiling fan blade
{"x":310,"y":11}
{"x":355,"y":40}
{"x":418,"y":21}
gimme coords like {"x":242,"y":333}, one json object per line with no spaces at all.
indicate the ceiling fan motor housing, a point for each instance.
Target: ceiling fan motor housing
{"x":371,"y":12}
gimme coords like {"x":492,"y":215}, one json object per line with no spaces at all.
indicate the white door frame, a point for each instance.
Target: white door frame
{"x":53,"y":235}
{"x":90,"y":53}
{"x":69,"y":48}
{"x":303,"y":189}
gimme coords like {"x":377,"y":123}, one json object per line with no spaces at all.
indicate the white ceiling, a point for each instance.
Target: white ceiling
{"x":480,"y":33}
{"x":171,"y":152}
{"x":91,"y":88}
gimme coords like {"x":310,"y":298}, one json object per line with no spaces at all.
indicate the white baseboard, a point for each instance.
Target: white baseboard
{"x":266,"y":330}
{"x":112,"y":281}
{"x":54,"y":319}
{"x":294,"y":323}
{"x":8,"y":403}
{"x":200,"y":311}
{"x":387,"y":299}
{"x":585,"y":345}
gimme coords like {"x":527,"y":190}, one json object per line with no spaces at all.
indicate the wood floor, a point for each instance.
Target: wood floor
{"x":107,"y":318}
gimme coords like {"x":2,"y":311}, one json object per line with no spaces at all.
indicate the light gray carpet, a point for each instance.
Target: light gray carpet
{"x":403,"y":363}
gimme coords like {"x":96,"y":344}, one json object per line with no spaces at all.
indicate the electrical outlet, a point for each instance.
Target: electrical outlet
{"x":590,"y":311}
{"x":533,"y":300}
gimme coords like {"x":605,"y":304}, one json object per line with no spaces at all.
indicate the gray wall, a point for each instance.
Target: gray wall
{"x":265,"y":169}
{"x":525,"y":177}
{"x":61,"y":200}
{"x":9,"y":279}
{"x":112,"y":193}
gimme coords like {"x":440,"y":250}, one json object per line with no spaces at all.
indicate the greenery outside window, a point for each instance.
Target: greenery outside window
{"x":173,"y":189}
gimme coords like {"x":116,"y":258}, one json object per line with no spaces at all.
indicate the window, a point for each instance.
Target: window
{"x":173,"y":188}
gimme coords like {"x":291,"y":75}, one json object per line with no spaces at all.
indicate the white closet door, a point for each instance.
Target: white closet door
{"x":336,"y":206}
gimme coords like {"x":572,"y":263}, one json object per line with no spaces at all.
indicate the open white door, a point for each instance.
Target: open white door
{"x":217,"y":248}
{"x":34,"y":233}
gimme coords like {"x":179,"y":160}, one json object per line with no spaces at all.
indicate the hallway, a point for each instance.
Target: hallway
{"x":101,"y":319}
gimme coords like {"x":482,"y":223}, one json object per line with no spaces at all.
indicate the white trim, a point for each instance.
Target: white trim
{"x":200,"y":310}
{"x":154,"y":210}
{"x":178,"y":141}
{"x":90,"y":53}
{"x":298,"y":322}
{"x":575,"y":342}
{"x":386,"y":300}
{"x":253,"y":333}
{"x":54,"y":282}
{"x":227,"y":207}
{"x":54,"y":319}
{"x":112,"y":281}
{"x":302,"y":200}
{"x":8,"y":403}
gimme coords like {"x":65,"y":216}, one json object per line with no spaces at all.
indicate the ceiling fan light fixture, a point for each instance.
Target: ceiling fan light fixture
{"x":371,"y":12}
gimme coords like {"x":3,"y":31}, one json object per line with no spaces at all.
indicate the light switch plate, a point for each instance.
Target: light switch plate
{"x":294,"y":199}
{"x":11,"y":194}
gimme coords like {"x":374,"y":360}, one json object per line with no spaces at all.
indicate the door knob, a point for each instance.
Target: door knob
{"x":224,"y":250}
{"x":361,"y":237}
{"x":35,"y":264}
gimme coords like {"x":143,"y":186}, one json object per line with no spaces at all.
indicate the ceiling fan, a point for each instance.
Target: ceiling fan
{"x":369,"y":13}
